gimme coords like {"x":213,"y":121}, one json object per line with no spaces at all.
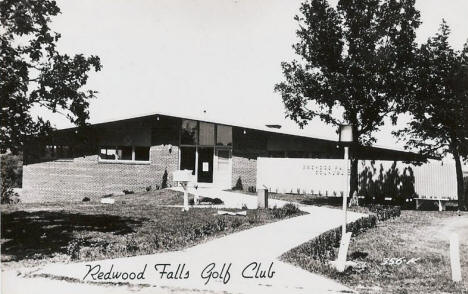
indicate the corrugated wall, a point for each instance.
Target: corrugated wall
{"x":378,"y":179}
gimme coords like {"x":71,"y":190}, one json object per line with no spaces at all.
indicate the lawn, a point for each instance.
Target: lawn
{"x":136,"y":224}
{"x":419,"y":238}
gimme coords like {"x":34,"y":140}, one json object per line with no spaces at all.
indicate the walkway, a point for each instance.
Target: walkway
{"x":263,"y":245}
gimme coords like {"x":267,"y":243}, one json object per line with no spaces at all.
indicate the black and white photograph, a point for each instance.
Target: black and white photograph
{"x":233,"y":146}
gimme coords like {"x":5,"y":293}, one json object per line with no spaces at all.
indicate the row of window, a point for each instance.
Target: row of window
{"x":57,"y":152}
{"x":207,"y":134}
{"x":136,"y":153}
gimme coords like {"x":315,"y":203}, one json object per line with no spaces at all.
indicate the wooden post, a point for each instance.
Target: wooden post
{"x":343,"y":252}
{"x":186,"y":205}
{"x":455,"y":258}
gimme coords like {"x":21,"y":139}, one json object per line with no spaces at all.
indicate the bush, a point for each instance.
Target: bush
{"x":384,"y":212}
{"x":285,"y":211}
{"x":126,"y":192}
{"x":238,"y":185}
{"x":164,"y":180}
{"x":213,"y":201}
{"x":322,"y":247}
{"x":8,"y":196}
{"x":86,"y":199}
{"x":11,"y":177}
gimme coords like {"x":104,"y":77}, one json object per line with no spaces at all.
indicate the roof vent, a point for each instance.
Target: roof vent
{"x":274,"y":126}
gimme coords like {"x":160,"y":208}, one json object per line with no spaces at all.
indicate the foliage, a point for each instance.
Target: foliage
{"x":287,"y":210}
{"x":322,"y":247}
{"x":94,"y":231}
{"x":391,"y":183}
{"x":252,"y":189}
{"x":384,"y":212}
{"x":238,"y":185}
{"x":34,"y":74}
{"x":354,"y":64}
{"x":164,"y":180}
{"x":439,"y":106}
{"x":355,"y":57}
{"x":407,"y":238}
{"x":11,"y":177}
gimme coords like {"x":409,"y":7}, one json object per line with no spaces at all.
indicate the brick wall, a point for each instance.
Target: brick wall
{"x":85,"y":176}
{"x":244,"y":166}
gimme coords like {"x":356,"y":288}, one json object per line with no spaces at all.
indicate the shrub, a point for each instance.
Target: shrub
{"x":322,"y":247}
{"x":285,"y":211}
{"x":126,"y":192}
{"x":148,"y":188}
{"x":208,"y":200}
{"x":252,"y":189}
{"x":384,"y":212}
{"x":164,"y":180}
{"x":8,"y":195}
{"x":86,"y":199}
{"x":11,"y":176}
{"x":238,"y":185}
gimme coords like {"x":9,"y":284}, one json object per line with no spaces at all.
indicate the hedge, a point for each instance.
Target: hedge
{"x":322,"y":247}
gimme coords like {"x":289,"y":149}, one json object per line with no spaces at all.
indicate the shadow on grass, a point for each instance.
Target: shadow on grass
{"x":45,"y":233}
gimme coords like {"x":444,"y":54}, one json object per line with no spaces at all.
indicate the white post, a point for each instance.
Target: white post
{"x":455,"y":258}
{"x":343,"y":252}
{"x":345,"y":196}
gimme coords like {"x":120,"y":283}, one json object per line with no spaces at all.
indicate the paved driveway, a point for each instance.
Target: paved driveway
{"x":250,"y":260}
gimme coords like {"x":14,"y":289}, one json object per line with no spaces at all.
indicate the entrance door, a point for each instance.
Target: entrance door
{"x":188,"y":159}
{"x":223,"y":168}
{"x":205,"y":164}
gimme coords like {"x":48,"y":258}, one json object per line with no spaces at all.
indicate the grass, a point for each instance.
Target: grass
{"x":422,"y":235}
{"x":33,"y":234}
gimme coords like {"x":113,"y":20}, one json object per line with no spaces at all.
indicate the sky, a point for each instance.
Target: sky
{"x":221,"y":56}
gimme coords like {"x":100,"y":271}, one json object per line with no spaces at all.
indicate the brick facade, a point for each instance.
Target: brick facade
{"x":72,"y":180}
{"x":244,"y":167}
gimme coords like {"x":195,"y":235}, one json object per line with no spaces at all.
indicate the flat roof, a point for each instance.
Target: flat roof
{"x":267,"y":127}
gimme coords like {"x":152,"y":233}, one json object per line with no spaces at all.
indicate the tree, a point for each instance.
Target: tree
{"x":354,"y":64}
{"x":34,"y":74}
{"x":439,"y":107}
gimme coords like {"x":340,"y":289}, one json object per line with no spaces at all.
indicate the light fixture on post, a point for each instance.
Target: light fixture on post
{"x":345,"y":136}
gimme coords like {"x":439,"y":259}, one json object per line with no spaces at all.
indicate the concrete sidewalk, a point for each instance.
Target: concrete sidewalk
{"x":251,"y":253}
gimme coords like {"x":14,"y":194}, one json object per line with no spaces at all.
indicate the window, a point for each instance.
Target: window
{"x":189,"y":132}
{"x":142,"y":153}
{"x":58,"y":152}
{"x":125,"y":153}
{"x":223,"y":135}
{"x":207,"y":134}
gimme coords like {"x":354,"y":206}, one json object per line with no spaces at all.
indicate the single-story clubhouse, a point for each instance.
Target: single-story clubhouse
{"x":135,"y":153}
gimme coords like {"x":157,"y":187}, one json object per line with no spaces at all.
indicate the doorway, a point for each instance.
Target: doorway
{"x":188,"y":158}
{"x":205,"y":164}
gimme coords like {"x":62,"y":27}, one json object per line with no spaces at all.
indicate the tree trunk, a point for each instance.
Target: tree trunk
{"x":354,"y":155}
{"x":460,"y":190}
{"x":354,"y":178}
